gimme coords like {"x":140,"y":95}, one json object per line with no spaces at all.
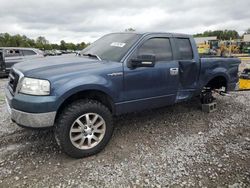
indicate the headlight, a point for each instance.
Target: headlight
{"x":34,"y":86}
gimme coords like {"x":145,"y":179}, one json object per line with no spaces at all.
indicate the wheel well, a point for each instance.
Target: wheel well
{"x":217,"y":82}
{"x":89,"y":94}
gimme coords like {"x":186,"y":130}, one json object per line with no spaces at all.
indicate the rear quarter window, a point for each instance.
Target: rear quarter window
{"x":184,"y":48}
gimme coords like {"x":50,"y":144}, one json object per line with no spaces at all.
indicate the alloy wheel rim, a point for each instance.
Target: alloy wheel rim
{"x":87,"y":131}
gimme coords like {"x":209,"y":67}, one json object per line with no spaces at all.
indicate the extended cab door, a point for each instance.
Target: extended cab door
{"x":149,"y":87}
{"x":189,"y":66}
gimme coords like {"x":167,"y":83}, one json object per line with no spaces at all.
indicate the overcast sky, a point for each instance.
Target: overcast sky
{"x":87,"y":20}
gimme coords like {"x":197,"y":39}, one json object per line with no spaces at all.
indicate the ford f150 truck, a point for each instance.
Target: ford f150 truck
{"x":117,"y":74}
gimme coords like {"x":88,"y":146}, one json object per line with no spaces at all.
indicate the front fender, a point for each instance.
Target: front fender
{"x":90,"y":82}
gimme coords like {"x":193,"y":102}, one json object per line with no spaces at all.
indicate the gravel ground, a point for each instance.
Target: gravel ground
{"x":176,"y":146}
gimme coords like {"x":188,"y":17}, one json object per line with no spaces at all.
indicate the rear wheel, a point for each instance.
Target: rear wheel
{"x":84,"y":128}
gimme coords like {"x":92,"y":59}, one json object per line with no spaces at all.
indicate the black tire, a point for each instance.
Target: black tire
{"x":69,"y":115}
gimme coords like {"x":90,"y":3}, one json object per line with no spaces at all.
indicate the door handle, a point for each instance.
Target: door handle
{"x":174,"y":71}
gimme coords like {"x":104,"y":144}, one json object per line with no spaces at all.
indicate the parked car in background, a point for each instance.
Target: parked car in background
{"x":49,"y":53}
{"x":13,"y":55}
{"x":52,"y":52}
{"x":57,"y":52}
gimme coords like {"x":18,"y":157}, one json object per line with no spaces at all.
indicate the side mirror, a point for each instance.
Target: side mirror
{"x":142,"y":61}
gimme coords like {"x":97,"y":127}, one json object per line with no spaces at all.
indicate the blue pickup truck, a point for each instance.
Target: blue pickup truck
{"x":117,"y":74}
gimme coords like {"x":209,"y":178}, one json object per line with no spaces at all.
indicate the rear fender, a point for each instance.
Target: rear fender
{"x":217,"y":72}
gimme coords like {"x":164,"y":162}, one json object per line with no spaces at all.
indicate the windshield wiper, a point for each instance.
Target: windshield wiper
{"x":92,"y":55}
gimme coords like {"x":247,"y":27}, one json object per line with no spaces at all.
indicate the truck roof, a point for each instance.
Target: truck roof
{"x":150,"y":33}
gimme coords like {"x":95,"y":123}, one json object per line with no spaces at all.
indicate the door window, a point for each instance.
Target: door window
{"x":185,"y":49}
{"x":159,"y":47}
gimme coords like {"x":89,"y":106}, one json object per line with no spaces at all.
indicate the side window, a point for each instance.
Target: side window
{"x":12,"y":53}
{"x":28,"y":52}
{"x":185,"y":48}
{"x":160,"y":47}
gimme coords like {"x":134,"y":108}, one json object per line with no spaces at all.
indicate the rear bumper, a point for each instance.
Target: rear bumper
{"x":33,"y":120}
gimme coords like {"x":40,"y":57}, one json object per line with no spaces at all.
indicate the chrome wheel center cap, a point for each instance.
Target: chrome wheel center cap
{"x":88,"y":131}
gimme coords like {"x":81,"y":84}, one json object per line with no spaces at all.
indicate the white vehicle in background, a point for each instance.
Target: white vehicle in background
{"x":52,"y":52}
{"x":13,"y":55}
{"x":57,"y":52}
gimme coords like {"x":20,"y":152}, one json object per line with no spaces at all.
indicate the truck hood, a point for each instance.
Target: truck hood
{"x":54,"y":67}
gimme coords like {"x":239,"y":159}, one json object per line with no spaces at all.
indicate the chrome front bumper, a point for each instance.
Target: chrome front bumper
{"x":34,"y":120}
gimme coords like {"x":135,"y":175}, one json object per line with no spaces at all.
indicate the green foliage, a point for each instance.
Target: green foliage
{"x":7,"y":40}
{"x":15,"y":40}
{"x":221,"y":34}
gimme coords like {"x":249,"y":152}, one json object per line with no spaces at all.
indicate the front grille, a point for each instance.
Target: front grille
{"x":13,"y":81}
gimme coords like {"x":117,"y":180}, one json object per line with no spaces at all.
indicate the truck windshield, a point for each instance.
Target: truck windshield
{"x":111,"y":47}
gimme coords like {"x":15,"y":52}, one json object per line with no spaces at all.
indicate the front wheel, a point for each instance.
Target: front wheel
{"x":84,"y":128}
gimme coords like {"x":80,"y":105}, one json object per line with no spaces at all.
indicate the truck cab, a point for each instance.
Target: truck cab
{"x":171,"y":77}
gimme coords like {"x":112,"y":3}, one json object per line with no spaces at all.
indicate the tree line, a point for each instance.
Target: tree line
{"x":7,"y":40}
{"x":43,"y":44}
{"x":222,"y":34}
